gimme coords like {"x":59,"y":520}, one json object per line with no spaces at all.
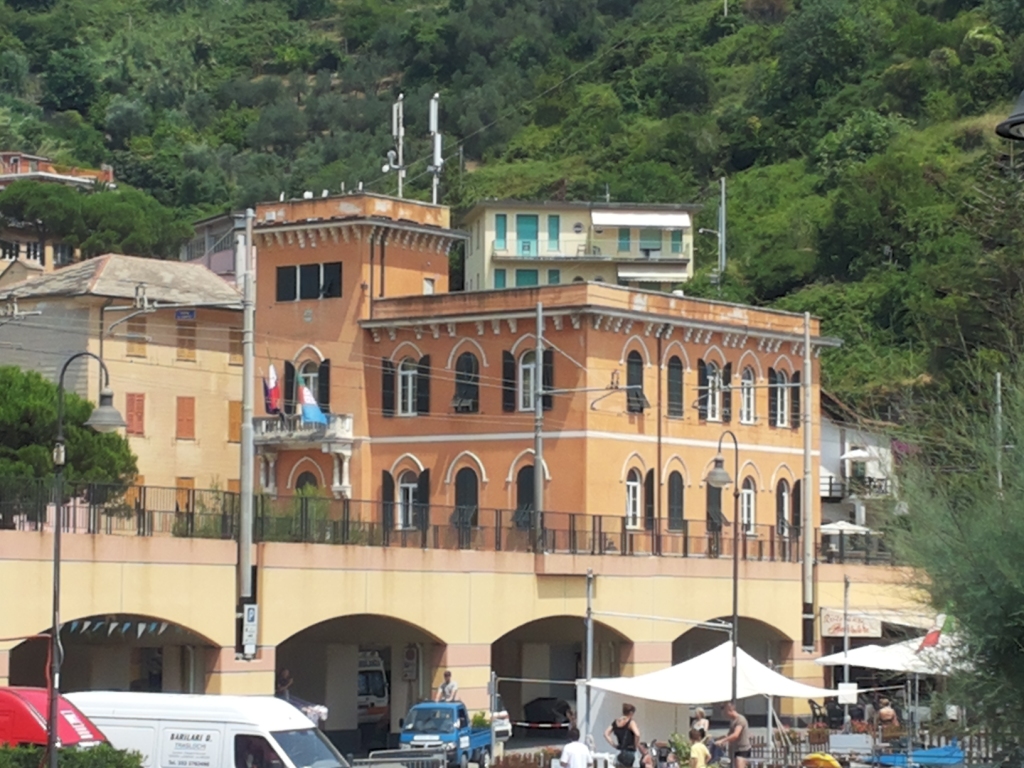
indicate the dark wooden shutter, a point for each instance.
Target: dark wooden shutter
{"x":727,"y":393}
{"x":508,"y":382}
{"x":422,"y":507}
{"x":781,"y":513}
{"x":387,"y":495}
{"x":289,"y":388}
{"x":649,"y":500}
{"x":387,"y":387}
{"x":548,"y":378}
{"x":323,"y":386}
{"x":423,"y":385}
{"x":714,"y":509}
{"x":798,"y":497}
{"x":773,"y":397}
{"x":675,"y":387}
{"x":675,"y":501}
{"x":702,"y":389}
{"x":794,"y":407}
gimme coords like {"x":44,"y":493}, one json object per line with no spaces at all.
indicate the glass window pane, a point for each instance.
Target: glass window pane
{"x":332,"y":280}
{"x":500,"y":231}
{"x":499,"y":278}
{"x":624,"y":239}
{"x":554,"y":225}
{"x":309,"y":281}
{"x":677,"y":241}
{"x":554,"y":276}
{"x":286,"y":284}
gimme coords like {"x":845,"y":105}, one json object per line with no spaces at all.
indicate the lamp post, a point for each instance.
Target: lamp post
{"x":104,"y":418}
{"x":1013,"y":127}
{"x":718,"y":477}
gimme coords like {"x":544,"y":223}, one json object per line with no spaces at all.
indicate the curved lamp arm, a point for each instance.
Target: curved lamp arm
{"x":58,"y":450}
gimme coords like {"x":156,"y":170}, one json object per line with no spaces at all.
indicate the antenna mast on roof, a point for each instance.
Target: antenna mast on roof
{"x":395,"y":156}
{"x":435,"y":136}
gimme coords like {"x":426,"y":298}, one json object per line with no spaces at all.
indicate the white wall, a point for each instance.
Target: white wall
{"x":837,"y":439}
{"x":341,"y":682}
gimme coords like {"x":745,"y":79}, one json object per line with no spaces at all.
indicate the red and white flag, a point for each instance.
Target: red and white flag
{"x":272,"y":392}
{"x":931,"y":639}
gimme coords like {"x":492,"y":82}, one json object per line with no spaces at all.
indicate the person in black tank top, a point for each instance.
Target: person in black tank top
{"x":626,"y":734}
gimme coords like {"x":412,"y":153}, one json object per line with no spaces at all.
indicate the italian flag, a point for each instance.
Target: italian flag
{"x":943,"y":623}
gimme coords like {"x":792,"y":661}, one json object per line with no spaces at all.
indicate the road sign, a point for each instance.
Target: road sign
{"x":250,"y":626}
{"x":184,"y":314}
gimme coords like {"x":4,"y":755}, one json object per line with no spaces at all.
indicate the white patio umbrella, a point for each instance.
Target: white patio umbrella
{"x":907,"y":657}
{"x":856,"y":454}
{"x":844,"y":527}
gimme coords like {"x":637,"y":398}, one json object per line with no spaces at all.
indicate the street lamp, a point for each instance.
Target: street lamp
{"x":718,"y":477}
{"x":1013,"y":127}
{"x":104,"y":418}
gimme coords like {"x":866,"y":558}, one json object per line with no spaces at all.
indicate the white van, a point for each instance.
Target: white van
{"x":174,"y":730}
{"x":372,"y":695}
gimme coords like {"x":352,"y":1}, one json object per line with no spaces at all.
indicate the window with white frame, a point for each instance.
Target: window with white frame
{"x":782,"y":399}
{"x":747,"y":411}
{"x":527,"y":380}
{"x":309,"y":374}
{"x":407,"y":492}
{"x":407,"y":387}
{"x":714,"y":398}
{"x":633,"y":483}
{"x":748,"y":509}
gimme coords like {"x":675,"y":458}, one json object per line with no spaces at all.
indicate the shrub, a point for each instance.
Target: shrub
{"x":102,"y":756}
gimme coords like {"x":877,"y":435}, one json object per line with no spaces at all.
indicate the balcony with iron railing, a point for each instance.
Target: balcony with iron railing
{"x":288,"y":430}
{"x":213,"y":514}
{"x":593,"y":247}
{"x":836,"y":488}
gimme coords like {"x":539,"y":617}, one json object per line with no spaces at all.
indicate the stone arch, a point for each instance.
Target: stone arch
{"x":676,"y":459}
{"x":395,"y":356}
{"x":643,"y":348}
{"x":628,"y":464}
{"x":783,"y":363}
{"x":749,"y":358}
{"x":510,"y":478}
{"x":676,"y":348}
{"x":453,"y":355}
{"x":715,"y":354}
{"x":411,"y":459}
{"x":308,"y":348}
{"x":473,"y":458}
{"x":520,"y":340}
{"x":783,"y":471}
{"x":301,"y":463}
{"x":750,"y":468}
{"x":704,"y":473}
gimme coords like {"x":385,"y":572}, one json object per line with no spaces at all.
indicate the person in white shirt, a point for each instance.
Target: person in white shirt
{"x":449,"y":689}
{"x":576,"y":754}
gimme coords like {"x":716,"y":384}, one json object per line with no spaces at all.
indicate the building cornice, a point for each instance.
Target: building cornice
{"x":314,"y":232}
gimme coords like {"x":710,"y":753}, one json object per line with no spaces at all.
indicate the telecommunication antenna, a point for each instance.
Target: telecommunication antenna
{"x":437,"y":163}
{"x":395,"y":156}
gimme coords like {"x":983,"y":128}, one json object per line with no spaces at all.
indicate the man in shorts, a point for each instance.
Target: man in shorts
{"x":738,"y":739}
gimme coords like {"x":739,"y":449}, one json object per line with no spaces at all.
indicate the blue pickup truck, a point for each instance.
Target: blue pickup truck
{"x":445,"y":727}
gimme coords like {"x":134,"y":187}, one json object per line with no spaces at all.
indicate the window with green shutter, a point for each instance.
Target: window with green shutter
{"x":499,"y":278}
{"x":677,"y":241}
{"x":624,"y":239}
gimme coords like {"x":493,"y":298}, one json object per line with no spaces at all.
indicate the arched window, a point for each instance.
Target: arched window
{"x":309,"y":375}
{"x":635,"y":400}
{"x":675,"y":501}
{"x":748,"y":505}
{"x":713,"y":503}
{"x":780,"y":399}
{"x":407,"y":375}
{"x":467,"y":384}
{"x":714,"y":392}
{"x":466,"y":497}
{"x":633,"y":483}
{"x":783,"y":504}
{"x":675,"y":387}
{"x":795,"y":517}
{"x":527,"y":380}
{"x":408,"y":483}
{"x":305,"y":480}
{"x":747,"y":410}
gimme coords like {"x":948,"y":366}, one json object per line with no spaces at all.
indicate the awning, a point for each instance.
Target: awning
{"x":655,"y":273}
{"x":659,"y":220}
{"x":869,"y":623}
{"x":907,"y":657}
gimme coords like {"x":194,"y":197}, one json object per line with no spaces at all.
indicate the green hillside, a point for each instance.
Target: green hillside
{"x":865,"y":182}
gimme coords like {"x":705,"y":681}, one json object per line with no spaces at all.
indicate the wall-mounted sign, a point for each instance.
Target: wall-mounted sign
{"x":184,"y":314}
{"x":250,"y":628}
{"x":411,"y":663}
{"x":859,"y":624}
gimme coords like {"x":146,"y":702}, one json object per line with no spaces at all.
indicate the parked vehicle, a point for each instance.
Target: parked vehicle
{"x":445,"y":727}
{"x":173,"y":730}
{"x":500,"y":721}
{"x":372,"y":694}
{"x":547,"y":710}
{"x":24,"y":713}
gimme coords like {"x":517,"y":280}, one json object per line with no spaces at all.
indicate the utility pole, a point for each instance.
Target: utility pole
{"x":538,"y":432}
{"x":398,"y":133}
{"x":808,"y":501}
{"x":721,"y":228}
{"x":999,"y":430}
{"x":248,"y":448}
{"x":435,"y":135}
{"x":590,"y":647}
{"x":846,"y":641}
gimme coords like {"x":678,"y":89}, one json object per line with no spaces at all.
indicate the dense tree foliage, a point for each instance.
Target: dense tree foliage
{"x":865,"y":182}
{"x":28,"y":427}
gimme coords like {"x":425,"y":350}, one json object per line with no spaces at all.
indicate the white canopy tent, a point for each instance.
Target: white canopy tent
{"x":899,"y":657}
{"x":841,"y":527}
{"x":663,"y":698}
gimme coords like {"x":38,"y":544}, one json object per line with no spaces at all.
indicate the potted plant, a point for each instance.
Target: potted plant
{"x":818,"y":733}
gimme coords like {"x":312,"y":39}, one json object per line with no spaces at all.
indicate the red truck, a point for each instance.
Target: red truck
{"x":23,"y":719}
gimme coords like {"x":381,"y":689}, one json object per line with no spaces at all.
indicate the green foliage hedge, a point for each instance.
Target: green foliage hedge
{"x":100,"y":756}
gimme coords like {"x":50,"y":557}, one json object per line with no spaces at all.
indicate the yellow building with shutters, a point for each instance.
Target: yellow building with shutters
{"x":169,"y":332}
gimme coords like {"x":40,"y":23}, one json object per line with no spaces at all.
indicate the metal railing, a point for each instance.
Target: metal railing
{"x":833,"y":487}
{"x":213,"y":514}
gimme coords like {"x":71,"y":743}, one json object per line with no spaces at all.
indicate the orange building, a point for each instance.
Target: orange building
{"x":429,"y":395}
